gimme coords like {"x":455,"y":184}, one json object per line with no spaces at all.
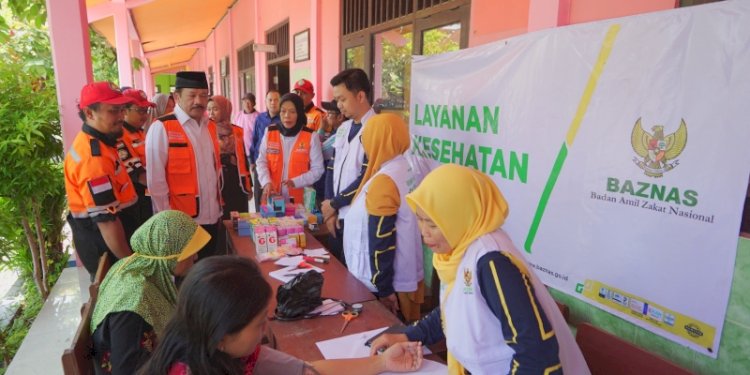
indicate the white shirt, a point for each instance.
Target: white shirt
{"x":247,"y":122}
{"x":287,"y":144}
{"x":350,"y":155}
{"x":157,"y":144}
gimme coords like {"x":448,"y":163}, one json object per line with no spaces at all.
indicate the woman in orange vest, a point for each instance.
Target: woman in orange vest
{"x":290,"y":156}
{"x":236,"y":188}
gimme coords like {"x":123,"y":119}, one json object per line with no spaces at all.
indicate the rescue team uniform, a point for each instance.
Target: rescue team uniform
{"x":259,"y":130}
{"x":297,"y":158}
{"x":492,"y":315}
{"x":383,"y":250}
{"x":132,"y":152}
{"x":184,"y":170}
{"x":99,"y":190}
{"x":237,"y":182}
{"x":314,"y":117}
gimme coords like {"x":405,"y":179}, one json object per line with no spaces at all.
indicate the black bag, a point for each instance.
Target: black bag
{"x":299,"y":296}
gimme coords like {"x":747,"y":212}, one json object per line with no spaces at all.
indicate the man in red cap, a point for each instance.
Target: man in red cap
{"x":132,"y":149}
{"x":100,"y":193}
{"x":306,"y":91}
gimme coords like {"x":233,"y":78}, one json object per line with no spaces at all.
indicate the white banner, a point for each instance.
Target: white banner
{"x":623,"y":148}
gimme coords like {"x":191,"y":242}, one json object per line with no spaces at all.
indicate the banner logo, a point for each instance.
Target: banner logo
{"x":658,"y":152}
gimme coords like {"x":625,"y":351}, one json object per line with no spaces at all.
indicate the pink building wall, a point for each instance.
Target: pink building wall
{"x":330,"y":46}
{"x":490,"y":20}
{"x":249,"y":20}
{"x":493,"y":20}
{"x":594,"y":10}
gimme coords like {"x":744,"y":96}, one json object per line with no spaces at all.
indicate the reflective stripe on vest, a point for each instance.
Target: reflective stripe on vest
{"x":242,"y":171}
{"x":182,"y":172}
{"x":89,"y":192}
{"x":299,"y":160}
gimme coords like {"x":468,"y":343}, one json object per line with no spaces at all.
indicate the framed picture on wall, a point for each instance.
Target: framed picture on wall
{"x":302,"y":46}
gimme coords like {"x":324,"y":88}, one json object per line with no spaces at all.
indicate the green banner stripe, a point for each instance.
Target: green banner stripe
{"x":559,"y":161}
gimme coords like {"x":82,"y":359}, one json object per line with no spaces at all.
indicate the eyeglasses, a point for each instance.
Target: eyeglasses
{"x":142,"y":111}
{"x":115,"y":111}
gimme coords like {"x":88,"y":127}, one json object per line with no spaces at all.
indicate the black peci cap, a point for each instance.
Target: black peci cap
{"x":191,"y":80}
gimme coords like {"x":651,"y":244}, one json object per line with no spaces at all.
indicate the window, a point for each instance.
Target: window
{"x":441,"y":39}
{"x":355,"y":57}
{"x":392,"y":70}
{"x":685,"y":3}
{"x":246,"y":68}
{"x":379,"y":36}
{"x":210,"y":80}
{"x":225,"y":88}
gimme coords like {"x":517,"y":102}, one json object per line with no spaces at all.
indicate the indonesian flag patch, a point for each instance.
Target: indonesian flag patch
{"x":101,"y":191}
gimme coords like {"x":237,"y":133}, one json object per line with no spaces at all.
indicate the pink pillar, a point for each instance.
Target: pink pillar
{"x":316,"y":56}
{"x":69,"y":36}
{"x":261,"y":78}
{"x":545,"y":14}
{"x":234,"y":81}
{"x":148,"y":79}
{"x":122,"y":43}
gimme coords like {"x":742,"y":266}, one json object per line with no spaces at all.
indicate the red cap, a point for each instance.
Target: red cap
{"x":304,"y":85}
{"x":101,"y":92}
{"x":139,"y":97}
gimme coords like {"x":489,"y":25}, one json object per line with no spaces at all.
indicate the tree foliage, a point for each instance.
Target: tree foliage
{"x":32,"y":197}
{"x":103,"y":58}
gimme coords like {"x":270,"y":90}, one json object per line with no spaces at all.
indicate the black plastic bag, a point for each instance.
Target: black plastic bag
{"x":299,"y":296}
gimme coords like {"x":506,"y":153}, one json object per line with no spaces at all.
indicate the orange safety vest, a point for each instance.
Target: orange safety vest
{"x":182,"y":172}
{"x":239,"y":149}
{"x":314,"y":118}
{"x":136,"y":140}
{"x":96,"y":182}
{"x":299,"y":159}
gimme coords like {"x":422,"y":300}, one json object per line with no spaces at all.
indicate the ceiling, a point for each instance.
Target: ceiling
{"x":167,"y":28}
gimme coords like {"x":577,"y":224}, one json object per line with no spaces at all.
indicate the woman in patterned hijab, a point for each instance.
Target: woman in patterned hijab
{"x":138,"y":295}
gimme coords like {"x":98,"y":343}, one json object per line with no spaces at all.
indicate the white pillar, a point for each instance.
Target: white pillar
{"x":71,"y":54}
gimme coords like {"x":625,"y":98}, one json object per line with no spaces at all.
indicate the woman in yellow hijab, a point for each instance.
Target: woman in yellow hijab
{"x":495,"y":314}
{"x":381,"y":240}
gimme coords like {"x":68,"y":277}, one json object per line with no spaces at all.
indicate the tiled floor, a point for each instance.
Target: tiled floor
{"x":54,"y":328}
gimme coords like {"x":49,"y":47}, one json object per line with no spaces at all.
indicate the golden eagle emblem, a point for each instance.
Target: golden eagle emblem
{"x":658,"y":152}
{"x":467,"y":277}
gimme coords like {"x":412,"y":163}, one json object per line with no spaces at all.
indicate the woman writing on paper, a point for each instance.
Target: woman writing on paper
{"x":495,"y":314}
{"x":217,"y":329}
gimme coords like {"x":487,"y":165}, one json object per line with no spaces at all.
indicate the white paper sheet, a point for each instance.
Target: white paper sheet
{"x":289,"y":261}
{"x":353,"y":346}
{"x":315,"y":252}
{"x":287,"y":273}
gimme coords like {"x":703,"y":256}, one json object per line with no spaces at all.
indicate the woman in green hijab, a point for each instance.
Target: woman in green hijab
{"x":138,"y":295}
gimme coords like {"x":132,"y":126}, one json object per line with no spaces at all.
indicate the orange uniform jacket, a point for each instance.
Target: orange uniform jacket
{"x":314,"y":117}
{"x":245,"y":180}
{"x":182,"y":173}
{"x":299,"y":159}
{"x":96,"y":182}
